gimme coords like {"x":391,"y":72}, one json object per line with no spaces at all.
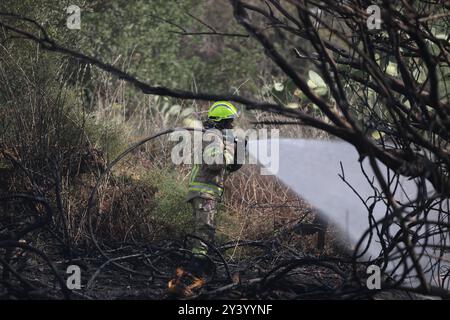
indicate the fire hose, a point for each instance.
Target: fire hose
{"x":107,"y":170}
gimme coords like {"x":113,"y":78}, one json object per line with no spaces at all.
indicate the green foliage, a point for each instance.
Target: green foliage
{"x":170,"y":208}
{"x":132,"y":36}
{"x":109,"y":137}
{"x":142,"y":38}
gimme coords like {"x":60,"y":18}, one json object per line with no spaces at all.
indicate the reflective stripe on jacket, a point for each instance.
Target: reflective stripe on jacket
{"x":208,"y":178}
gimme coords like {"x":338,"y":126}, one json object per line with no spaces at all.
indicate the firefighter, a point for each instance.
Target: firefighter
{"x":206,"y":188}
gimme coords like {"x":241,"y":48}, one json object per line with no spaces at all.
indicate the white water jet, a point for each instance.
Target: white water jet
{"x":311,"y":168}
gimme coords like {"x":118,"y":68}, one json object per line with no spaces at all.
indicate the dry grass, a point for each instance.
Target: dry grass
{"x":136,"y":202}
{"x":259,"y":207}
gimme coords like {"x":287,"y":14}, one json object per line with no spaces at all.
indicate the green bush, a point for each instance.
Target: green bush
{"x":109,"y":137}
{"x":170,"y":208}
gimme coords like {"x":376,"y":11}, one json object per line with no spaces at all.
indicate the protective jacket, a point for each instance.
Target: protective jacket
{"x":219,"y":159}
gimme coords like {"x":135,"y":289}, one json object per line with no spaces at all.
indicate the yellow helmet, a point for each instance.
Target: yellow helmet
{"x":222,"y":110}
